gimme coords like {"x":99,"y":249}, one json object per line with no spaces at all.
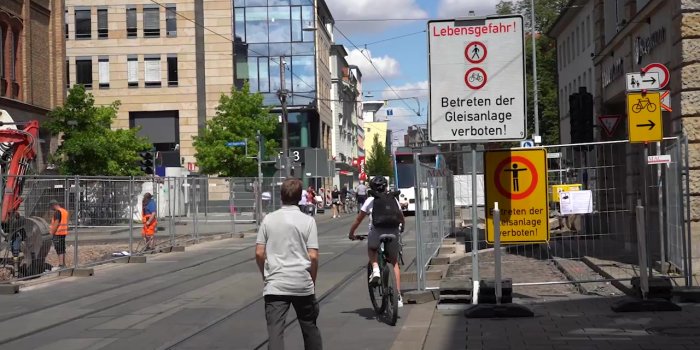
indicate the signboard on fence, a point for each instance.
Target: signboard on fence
{"x":477,"y":80}
{"x":517,"y":180}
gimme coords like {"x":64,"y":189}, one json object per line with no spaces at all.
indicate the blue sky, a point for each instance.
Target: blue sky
{"x":403,"y":61}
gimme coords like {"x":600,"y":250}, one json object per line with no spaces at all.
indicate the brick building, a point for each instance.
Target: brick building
{"x":32,"y":51}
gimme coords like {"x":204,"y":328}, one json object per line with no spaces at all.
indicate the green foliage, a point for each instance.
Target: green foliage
{"x":238,"y":117}
{"x":546,"y":12}
{"x":89,"y":145}
{"x":379,"y":162}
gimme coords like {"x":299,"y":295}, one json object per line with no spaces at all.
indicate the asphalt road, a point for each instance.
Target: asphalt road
{"x":206,"y":298}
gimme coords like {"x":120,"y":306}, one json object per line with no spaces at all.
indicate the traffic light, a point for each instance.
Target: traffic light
{"x":581,"y":116}
{"x":147,"y":162}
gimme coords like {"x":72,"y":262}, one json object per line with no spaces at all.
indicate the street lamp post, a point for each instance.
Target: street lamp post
{"x":534,"y":72}
{"x":282,"y":95}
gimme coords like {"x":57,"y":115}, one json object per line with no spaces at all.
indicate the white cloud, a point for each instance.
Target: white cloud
{"x":461,"y":8}
{"x":388,"y":66}
{"x":373,"y":9}
{"x":418,"y":89}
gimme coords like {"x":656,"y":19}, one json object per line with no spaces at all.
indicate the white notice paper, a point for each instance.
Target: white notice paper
{"x":576,"y":202}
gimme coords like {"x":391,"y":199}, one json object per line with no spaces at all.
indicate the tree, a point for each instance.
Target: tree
{"x":89,"y":146}
{"x":238,"y":117}
{"x":379,"y":161}
{"x":546,"y":12}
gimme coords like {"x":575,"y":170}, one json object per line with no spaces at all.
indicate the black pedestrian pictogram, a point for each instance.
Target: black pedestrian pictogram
{"x":475,"y":52}
{"x":515,"y":171}
{"x":634,"y":83}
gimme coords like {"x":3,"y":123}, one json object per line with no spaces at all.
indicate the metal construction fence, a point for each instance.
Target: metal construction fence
{"x":435,"y":213}
{"x":105,"y":216}
{"x":618,"y":176}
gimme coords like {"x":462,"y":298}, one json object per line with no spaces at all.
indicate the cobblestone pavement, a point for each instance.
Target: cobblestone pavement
{"x":521,"y":269}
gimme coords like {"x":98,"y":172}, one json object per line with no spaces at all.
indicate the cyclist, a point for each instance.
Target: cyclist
{"x":379,"y":184}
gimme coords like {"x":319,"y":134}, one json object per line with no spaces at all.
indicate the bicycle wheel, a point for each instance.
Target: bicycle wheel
{"x":636,"y":107}
{"x":375,"y":293}
{"x":391,"y":294}
{"x":651,"y":107}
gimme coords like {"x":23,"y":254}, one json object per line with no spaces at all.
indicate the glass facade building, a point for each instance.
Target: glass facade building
{"x":265,"y":31}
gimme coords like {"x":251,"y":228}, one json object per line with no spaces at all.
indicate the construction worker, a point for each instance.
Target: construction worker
{"x":59,"y":231}
{"x":150,"y":222}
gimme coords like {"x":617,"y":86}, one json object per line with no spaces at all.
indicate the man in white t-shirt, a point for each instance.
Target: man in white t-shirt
{"x":379,"y":185}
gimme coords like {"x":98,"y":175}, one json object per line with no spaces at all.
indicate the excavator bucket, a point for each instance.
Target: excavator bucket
{"x":36,"y":246}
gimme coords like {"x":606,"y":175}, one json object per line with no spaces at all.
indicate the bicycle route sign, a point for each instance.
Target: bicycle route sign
{"x":644,"y":117}
{"x":517,"y":180}
{"x":477,"y":80}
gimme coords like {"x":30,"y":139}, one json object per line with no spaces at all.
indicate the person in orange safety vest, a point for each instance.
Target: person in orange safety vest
{"x":150,"y":222}
{"x":59,"y":231}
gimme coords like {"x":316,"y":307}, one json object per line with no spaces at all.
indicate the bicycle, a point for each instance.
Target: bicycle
{"x":643,"y":103}
{"x":384,"y":295}
{"x":475,"y":77}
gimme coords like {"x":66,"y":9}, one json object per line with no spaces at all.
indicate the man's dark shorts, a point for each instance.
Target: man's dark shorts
{"x":59,"y":243}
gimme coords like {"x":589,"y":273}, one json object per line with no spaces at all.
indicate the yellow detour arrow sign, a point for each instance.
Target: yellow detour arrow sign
{"x":644,"y":117}
{"x":517,"y":180}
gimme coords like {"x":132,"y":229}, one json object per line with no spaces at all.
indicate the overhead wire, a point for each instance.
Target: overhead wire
{"x":229,"y":39}
{"x":377,"y":70}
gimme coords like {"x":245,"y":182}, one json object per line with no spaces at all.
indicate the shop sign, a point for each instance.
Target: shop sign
{"x":643,"y":46}
{"x":614,"y":71}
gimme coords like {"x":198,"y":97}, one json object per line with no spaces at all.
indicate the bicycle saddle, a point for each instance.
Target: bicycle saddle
{"x":387,"y":237}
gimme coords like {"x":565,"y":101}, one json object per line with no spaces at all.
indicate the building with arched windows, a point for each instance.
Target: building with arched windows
{"x":32,"y":51}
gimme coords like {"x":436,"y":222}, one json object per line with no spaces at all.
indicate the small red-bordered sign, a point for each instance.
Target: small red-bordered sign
{"x":475,"y":52}
{"x":475,"y":78}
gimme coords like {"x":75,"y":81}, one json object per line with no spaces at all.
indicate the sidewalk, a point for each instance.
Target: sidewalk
{"x":572,"y":323}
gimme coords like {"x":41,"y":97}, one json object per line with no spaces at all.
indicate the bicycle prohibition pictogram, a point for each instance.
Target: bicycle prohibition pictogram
{"x":475,"y":78}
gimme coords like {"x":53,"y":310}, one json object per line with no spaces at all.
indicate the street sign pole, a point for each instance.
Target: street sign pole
{"x":475,"y":231}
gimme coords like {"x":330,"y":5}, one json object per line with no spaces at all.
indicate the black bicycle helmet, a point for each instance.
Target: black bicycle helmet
{"x":378,"y":184}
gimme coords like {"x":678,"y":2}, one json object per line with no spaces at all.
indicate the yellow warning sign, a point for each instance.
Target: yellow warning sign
{"x":517,"y":180}
{"x":556,"y":189}
{"x":644,"y":117}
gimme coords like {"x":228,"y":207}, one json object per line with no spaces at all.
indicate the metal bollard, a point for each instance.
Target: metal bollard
{"x":75,"y":220}
{"x":497,"y":251}
{"x":642,"y":250}
{"x":131,"y":215}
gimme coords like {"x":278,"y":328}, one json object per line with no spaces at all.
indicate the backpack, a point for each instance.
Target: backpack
{"x":385,"y":211}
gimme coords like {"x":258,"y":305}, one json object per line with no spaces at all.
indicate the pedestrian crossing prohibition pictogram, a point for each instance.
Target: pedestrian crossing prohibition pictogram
{"x":517,"y":180}
{"x":475,"y":52}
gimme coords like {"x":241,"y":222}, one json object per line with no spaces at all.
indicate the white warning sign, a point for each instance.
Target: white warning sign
{"x":477,"y":80}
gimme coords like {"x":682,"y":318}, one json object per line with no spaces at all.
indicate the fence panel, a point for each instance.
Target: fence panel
{"x":618,"y":175}
{"x":434,"y":214}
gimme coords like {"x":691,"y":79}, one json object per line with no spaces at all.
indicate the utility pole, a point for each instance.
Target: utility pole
{"x":282,"y":95}
{"x":535,"y":87}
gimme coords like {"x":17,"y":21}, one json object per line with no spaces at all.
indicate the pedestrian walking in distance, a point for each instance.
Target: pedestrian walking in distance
{"x":59,"y":231}
{"x":287,"y":256}
{"x":150,"y":221}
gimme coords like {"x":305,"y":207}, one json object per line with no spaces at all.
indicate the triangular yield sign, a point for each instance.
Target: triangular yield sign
{"x":609,"y":123}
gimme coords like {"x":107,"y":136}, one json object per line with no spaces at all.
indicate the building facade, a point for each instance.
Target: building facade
{"x":346,"y":96}
{"x":628,"y":35}
{"x":32,"y":51}
{"x":574,"y":34}
{"x":298,"y":34}
{"x":167,"y":72}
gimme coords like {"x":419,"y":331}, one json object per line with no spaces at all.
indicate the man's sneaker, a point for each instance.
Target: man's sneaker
{"x":374,"y":277}
{"x":400,"y":301}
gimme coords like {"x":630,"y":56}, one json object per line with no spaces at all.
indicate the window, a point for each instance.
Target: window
{"x":239,"y":15}
{"x":68,"y":74}
{"x":131,"y":22}
{"x":256,"y":25}
{"x":297,"y":24}
{"x":103,"y":65}
{"x":151,"y":22}
{"x":132,"y":70}
{"x":102,"y":26}
{"x":588,"y":31}
{"x":151,"y":66}
{"x":2,"y":53}
{"x":65,"y":26}
{"x":171,"y":21}
{"x":83,"y":71}
{"x":13,"y":56}
{"x":83,"y":24}
{"x":172,"y":70}
{"x":279,"y":24}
